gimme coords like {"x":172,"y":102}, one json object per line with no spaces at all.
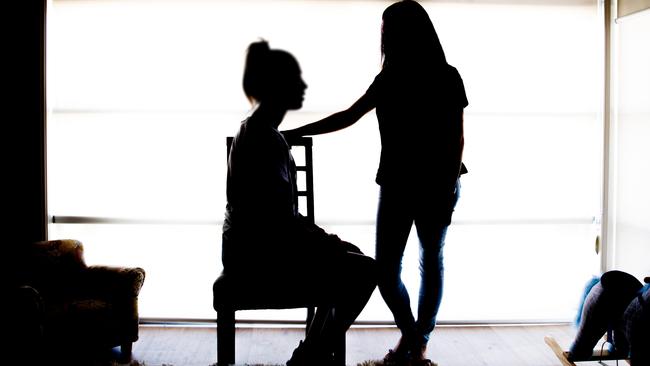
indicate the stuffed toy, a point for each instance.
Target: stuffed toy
{"x":617,"y":305}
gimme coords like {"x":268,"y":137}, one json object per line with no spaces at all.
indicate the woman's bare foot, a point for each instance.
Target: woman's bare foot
{"x":419,"y":357}
{"x":419,"y":353}
{"x":398,"y":356}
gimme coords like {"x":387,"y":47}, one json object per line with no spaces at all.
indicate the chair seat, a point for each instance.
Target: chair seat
{"x":232,"y":292}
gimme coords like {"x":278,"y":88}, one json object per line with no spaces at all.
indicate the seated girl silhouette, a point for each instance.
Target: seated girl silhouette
{"x":264,"y":236}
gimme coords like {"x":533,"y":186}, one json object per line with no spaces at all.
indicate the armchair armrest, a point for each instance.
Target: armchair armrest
{"x":27,"y":301}
{"x":113,"y":282}
{"x":24,"y":314}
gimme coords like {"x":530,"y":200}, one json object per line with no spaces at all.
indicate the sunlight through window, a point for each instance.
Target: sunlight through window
{"x":142,"y":95}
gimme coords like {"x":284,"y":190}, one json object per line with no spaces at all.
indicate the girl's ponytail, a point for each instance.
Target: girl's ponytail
{"x":255,"y":69}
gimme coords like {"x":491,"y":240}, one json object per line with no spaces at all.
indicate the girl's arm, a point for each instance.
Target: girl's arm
{"x":336,"y":121}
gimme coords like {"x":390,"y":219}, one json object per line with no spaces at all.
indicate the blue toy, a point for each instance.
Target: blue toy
{"x":616,"y":305}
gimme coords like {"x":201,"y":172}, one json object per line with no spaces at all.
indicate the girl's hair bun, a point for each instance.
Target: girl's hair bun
{"x":258,"y":48}
{"x":255,"y":74}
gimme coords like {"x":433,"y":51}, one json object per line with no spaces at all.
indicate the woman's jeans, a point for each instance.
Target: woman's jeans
{"x":397,"y":212}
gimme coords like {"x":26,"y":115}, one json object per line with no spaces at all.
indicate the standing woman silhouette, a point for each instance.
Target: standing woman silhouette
{"x":419,"y":100}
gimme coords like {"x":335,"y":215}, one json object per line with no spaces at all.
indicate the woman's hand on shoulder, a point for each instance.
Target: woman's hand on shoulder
{"x":291,"y":135}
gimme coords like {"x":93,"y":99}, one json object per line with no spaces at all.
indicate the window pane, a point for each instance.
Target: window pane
{"x":140,"y":112}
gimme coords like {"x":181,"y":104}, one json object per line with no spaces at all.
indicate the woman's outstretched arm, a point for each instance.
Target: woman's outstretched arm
{"x":336,"y":121}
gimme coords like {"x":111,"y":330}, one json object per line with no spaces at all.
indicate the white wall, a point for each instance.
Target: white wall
{"x":632,"y":144}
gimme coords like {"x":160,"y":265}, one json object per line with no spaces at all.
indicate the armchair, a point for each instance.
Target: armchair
{"x":67,"y":303}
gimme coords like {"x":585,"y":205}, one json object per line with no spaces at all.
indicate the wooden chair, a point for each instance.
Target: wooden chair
{"x":233,"y":294}
{"x":563,"y":356}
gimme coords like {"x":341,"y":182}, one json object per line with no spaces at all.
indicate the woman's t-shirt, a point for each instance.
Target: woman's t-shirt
{"x":420,"y":124}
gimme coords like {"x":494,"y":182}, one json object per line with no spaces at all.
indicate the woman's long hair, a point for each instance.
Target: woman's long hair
{"x":408,"y":38}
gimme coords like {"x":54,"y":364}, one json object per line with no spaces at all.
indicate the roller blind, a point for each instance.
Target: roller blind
{"x":627,"y":7}
{"x":142,"y":95}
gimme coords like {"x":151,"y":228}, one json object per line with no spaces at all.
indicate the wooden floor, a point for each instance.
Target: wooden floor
{"x":449,"y":345}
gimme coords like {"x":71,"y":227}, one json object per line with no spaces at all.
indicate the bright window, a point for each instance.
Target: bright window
{"x":142,"y":95}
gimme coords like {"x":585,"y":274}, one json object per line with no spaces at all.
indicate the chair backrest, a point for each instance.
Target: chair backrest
{"x":306,"y":169}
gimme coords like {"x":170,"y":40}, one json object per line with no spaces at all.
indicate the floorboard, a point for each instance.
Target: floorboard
{"x":449,"y":345}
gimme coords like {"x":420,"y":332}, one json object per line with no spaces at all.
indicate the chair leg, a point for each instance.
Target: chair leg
{"x":339,"y":350}
{"x":225,"y":337}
